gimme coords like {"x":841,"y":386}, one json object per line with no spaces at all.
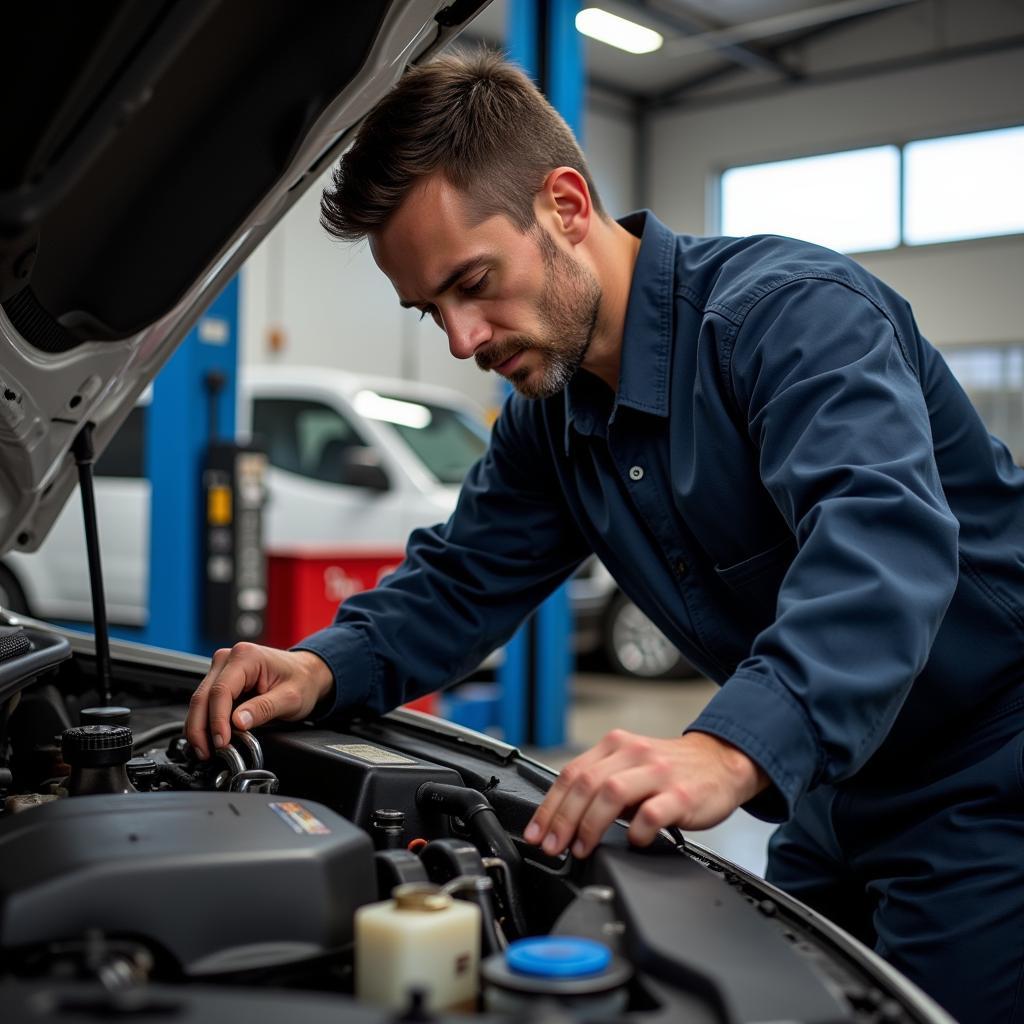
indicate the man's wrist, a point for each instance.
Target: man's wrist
{"x":747,"y":775}
{"x":318,"y":671}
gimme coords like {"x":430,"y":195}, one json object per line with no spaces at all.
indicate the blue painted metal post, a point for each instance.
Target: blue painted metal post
{"x":554,"y":668}
{"x":530,"y":25}
{"x":514,"y":671}
{"x":177,"y":432}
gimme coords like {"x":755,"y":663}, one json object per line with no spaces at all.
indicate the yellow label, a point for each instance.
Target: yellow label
{"x":218,"y":506}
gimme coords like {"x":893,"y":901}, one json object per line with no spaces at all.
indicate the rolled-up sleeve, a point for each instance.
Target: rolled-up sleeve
{"x":464,"y":586}
{"x":834,"y":407}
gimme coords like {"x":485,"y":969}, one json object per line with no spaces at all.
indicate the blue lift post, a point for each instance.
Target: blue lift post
{"x":177,"y":433}
{"x":542,"y":39}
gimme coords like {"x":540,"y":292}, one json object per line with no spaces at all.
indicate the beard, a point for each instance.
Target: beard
{"x":568,"y":312}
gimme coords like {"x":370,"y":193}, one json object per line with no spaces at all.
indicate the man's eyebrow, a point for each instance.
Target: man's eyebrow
{"x":463,"y":268}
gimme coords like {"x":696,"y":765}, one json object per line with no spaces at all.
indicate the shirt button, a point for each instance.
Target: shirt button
{"x":681,"y":568}
{"x":636,"y":473}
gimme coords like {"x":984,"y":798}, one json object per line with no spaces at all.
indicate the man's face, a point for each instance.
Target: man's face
{"x":517,"y":303}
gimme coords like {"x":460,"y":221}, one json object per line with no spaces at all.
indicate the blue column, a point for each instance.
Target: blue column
{"x":566,"y":82}
{"x":531,"y":25}
{"x":177,"y":432}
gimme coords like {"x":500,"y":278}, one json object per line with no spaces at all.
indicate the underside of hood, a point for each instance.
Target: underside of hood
{"x":149,"y":146}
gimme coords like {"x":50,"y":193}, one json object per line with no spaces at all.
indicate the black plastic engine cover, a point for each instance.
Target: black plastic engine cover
{"x":221,"y":881}
{"x":355,"y":776}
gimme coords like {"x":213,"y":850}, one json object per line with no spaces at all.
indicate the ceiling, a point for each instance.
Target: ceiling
{"x":716,"y":47}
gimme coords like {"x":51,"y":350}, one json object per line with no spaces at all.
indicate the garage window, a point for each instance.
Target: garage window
{"x":846,"y":201}
{"x":927,"y":191}
{"x":966,"y":186}
{"x":993,"y":377}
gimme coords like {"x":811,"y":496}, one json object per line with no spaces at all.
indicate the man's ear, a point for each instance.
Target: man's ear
{"x":564,"y":205}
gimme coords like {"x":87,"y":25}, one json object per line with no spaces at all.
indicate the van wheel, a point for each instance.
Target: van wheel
{"x":634,"y":646}
{"x":12,"y":597}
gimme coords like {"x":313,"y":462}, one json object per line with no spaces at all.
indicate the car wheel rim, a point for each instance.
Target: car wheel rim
{"x":639,"y":645}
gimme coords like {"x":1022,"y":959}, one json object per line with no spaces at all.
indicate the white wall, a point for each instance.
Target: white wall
{"x":961,"y":292}
{"x":337,"y":309}
{"x":610,"y":142}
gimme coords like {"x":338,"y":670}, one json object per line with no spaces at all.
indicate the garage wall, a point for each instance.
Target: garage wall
{"x":336,"y":309}
{"x":610,"y":141}
{"x":963,"y":291}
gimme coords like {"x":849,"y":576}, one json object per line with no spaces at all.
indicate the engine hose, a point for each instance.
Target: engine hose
{"x":157,"y":732}
{"x":175,"y":777}
{"x":482,"y":824}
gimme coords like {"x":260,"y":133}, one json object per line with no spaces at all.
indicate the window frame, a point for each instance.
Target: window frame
{"x":716,"y":205}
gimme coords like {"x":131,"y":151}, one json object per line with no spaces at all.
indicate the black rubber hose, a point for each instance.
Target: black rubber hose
{"x":175,"y":777}
{"x":478,"y":814}
{"x":483,"y":825}
{"x":157,"y":732}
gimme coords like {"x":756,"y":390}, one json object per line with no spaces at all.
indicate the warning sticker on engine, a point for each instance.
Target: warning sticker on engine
{"x":299,"y":819}
{"x":370,"y":754}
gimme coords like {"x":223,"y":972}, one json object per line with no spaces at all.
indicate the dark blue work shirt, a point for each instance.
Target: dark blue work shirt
{"x":789,"y":482}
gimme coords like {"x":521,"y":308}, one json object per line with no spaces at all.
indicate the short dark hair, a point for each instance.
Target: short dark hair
{"x":475,"y":118}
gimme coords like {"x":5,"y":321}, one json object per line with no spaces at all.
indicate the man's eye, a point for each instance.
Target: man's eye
{"x":428,"y":311}
{"x":477,"y":285}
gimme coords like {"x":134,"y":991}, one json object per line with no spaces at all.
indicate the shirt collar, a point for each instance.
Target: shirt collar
{"x":647,"y":333}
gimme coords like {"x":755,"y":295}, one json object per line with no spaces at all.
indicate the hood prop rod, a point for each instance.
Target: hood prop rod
{"x":85,"y":455}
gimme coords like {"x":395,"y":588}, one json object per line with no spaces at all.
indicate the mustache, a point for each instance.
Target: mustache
{"x":495,"y":353}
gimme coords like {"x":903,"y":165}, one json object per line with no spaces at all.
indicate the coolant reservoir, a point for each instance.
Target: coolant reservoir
{"x":583,"y":977}
{"x":420,"y":939}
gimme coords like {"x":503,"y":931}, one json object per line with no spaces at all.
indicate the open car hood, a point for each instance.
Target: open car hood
{"x":151,"y":147}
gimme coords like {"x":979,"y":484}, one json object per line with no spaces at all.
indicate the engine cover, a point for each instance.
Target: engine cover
{"x":221,"y":881}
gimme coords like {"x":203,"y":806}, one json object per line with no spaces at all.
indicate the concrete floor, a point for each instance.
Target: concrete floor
{"x":658,"y":708}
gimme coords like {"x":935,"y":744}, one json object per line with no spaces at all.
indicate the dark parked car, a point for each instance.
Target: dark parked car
{"x":149,"y":147}
{"x":608,"y":623}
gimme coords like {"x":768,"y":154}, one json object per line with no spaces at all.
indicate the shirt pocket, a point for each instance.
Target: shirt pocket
{"x":753,"y":584}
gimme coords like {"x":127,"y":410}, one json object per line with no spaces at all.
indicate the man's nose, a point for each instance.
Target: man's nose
{"x":466,"y":331}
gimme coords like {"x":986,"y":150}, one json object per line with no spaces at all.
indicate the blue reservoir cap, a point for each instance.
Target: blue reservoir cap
{"x":550,"y":956}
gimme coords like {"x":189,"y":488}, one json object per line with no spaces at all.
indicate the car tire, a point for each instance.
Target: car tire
{"x":12,"y":597}
{"x":634,"y":646}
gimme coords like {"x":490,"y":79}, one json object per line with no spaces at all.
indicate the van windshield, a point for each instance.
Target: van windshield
{"x":446,"y":440}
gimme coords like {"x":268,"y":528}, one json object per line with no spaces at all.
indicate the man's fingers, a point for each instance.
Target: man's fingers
{"x":541,"y":824}
{"x":195,"y":721}
{"x":597,"y":781}
{"x":654,"y":814}
{"x":280,"y":702}
{"x":620,"y":791}
{"x":678,"y":805}
{"x":238,"y":675}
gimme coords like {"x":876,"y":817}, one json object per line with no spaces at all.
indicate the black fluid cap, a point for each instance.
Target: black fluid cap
{"x":112,"y":715}
{"x":388,"y":828}
{"x":97,"y":746}
{"x":387,"y":817}
{"x":14,"y":642}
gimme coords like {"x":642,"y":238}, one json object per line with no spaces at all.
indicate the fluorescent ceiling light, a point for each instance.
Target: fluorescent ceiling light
{"x":392,"y":410}
{"x":616,"y":31}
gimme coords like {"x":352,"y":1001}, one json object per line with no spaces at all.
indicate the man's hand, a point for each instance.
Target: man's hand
{"x":694,"y":781}
{"x":288,"y":685}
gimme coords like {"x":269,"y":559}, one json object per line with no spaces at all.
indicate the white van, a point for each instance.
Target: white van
{"x":353,"y":460}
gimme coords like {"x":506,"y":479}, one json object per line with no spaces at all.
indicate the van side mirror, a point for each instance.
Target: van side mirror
{"x":361,"y":467}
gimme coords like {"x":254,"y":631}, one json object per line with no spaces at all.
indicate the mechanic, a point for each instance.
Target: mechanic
{"x":776,"y":467}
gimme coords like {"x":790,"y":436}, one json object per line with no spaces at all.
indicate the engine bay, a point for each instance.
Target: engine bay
{"x":134,"y":877}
